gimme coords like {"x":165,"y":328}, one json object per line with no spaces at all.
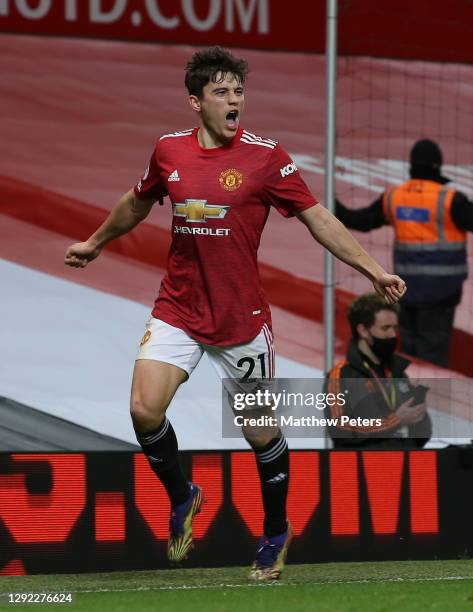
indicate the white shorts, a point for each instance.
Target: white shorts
{"x":163,"y":342}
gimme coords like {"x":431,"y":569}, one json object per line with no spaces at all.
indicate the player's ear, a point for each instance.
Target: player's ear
{"x":194,"y":102}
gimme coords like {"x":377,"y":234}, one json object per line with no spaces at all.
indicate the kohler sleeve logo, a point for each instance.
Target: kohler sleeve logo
{"x":287,"y":170}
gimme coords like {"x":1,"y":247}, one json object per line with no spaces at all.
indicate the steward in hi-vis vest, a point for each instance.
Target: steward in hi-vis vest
{"x":429,"y":249}
{"x":430,"y":222}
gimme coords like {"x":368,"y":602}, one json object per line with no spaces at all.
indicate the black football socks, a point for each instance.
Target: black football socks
{"x":160,"y":446}
{"x":273,"y":468}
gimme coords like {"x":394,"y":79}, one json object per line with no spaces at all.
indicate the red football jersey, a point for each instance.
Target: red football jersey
{"x":221,"y":199}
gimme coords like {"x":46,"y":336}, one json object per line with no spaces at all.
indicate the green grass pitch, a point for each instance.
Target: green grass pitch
{"x":336,"y":587}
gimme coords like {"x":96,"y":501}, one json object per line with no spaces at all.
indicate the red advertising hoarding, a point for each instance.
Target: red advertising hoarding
{"x":77,"y":512}
{"x":425,"y":29}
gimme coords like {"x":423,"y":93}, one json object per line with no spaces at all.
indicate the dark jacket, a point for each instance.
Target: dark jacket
{"x":368,"y":394}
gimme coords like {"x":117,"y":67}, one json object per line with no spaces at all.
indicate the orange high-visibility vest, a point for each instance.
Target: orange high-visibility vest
{"x":429,"y":249}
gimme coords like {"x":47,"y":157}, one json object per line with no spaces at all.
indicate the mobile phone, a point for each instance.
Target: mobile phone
{"x":419,"y":394}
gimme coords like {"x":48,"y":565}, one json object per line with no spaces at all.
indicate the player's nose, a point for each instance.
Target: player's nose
{"x":233,"y":98}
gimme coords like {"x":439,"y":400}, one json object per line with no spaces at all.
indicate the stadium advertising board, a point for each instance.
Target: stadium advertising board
{"x":80,"y":512}
{"x":401,"y":28}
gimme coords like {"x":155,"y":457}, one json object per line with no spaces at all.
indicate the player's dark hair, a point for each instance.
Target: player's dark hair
{"x":363,"y":310}
{"x":206,"y":65}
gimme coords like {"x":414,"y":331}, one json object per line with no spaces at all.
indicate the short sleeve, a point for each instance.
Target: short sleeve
{"x":284,"y":187}
{"x":150,"y":184}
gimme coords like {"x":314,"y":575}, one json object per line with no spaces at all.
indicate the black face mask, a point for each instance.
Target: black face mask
{"x":383,"y":348}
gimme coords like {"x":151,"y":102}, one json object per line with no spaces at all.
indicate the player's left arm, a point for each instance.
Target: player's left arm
{"x":334,"y":236}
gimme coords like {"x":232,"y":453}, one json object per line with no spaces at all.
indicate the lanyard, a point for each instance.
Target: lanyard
{"x":391,"y":398}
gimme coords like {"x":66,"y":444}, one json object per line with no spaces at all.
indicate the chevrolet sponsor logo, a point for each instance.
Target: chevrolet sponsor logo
{"x":202,"y":231}
{"x":198,"y":211}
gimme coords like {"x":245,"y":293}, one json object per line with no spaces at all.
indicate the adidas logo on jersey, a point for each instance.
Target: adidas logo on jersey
{"x":174,"y":176}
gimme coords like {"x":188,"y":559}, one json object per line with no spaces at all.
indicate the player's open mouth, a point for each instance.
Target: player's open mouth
{"x":232,"y":120}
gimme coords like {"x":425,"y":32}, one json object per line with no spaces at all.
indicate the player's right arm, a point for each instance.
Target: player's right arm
{"x":128,"y":212}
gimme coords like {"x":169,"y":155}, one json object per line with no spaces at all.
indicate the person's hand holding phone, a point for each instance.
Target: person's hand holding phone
{"x":410,"y":413}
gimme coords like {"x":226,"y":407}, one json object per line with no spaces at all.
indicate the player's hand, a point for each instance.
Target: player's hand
{"x":79,"y":254}
{"x":391,"y":287}
{"x":409,"y":414}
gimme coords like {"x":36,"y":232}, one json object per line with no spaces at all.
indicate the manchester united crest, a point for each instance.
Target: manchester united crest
{"x":230,"y":179}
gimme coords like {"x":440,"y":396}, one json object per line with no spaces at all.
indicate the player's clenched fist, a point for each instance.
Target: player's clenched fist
{"x":391,"y":287}
{"x":78,"y":255}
